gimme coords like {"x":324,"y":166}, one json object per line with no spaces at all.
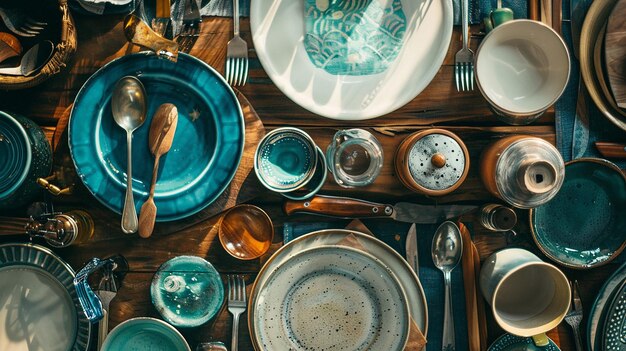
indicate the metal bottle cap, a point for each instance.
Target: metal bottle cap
{"x":436,"y":161}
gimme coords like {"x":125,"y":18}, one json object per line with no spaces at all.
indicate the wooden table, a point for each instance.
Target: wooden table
{"x":100,"y":39}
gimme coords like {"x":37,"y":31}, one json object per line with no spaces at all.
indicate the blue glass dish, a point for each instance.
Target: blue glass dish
{"x":207,"y":146}
{"x":145,"y":334}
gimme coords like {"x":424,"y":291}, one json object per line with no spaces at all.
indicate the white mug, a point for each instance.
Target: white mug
{"x":528,"y":297}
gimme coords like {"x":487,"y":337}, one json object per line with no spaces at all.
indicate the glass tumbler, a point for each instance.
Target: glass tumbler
{"x":355,"y":157}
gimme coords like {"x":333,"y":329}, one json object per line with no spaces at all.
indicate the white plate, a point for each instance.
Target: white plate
{"x":330,"y":238}
{"x":332,"y":298}
{"x":278,"y":32}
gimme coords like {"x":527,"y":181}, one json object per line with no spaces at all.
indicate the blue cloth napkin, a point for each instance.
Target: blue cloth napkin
{"x":394,"y":234}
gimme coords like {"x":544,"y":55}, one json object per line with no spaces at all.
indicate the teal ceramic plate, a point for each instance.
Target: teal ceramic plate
{"x":597,"y":315}
{"x":38,"y":302}
{"x":207,"y":146}
{"x":145,"y":334}
{"x":508,"y":342}
{"x":615,"y":322}
{"x":187,"y":291}
{"x":584,"y":225}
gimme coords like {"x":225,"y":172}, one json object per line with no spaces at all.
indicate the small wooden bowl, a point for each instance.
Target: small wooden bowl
{"x":246,"y":232}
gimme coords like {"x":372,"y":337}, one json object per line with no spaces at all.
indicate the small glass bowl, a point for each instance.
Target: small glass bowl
{"x":246,"y":232}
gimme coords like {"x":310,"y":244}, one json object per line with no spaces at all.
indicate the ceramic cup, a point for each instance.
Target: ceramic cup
{"x":522,"y":67}
{"x":145,"y":334}
{"x":528,"y":297}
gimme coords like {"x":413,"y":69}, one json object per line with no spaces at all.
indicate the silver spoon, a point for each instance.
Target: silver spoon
{"x":33,"y":59}
{"x":128,"y":105}
{"x":446,"y":250}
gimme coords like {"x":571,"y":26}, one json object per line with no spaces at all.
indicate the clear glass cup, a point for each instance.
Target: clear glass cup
{"x":355,"y":157}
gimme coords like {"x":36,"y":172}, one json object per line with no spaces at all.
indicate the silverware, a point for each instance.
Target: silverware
{"x":446,"y":251}
{"x":464,"y":58}
{"x":190,"y":29}
{"x":575,"y":315}
{"x":236,"y":54}
{"x":162,"y":23}
{"x":19,"y":22}
{"x":107,"y":289}
{"x":236,"y":305}
{"x":411,"y":249}
{"x":128,"y":106}
{"x":33,"y":59}
{"x":344,"y":207}
{"x":138,"y":32}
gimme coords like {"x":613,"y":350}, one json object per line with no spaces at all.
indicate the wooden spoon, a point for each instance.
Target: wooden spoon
{"x":9,"y":46}
{"x":162,"y":130}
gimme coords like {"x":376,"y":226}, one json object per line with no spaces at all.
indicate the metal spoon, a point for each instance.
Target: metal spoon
{"x":446,"y":250}
{"x":33,"y":59}
{"x":128,"y":105}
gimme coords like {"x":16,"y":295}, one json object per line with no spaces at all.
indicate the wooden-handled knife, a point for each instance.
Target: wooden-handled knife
{"x":611,"y":150}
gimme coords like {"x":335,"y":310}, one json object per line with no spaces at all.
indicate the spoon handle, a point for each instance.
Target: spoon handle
{"x":129,"y":215}
{"x":448,"y":342}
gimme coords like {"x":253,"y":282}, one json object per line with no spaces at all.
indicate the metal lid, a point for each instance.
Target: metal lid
{"x":437,"y":161}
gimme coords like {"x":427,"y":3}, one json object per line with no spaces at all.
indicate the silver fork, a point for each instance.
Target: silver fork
{"x":464,"y":58}
{"x":236,"y":54}
{"x":190,"y":30}
{"x":236,"y":305}
{"x":575,"y":315}
{"x":18,"y":22}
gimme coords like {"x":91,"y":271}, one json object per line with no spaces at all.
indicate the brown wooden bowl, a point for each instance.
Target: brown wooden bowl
{"x":246,"y":232}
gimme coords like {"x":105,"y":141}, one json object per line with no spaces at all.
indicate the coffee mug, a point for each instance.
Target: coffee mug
{"x":522,"y":67}
{"x":528,"y":297}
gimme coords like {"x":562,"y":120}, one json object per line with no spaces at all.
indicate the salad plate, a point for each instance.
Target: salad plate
{"x":597,"y":315}
{"x":615,"y":322}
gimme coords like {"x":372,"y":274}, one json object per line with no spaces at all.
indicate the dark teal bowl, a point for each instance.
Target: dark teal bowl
{"x":25,"y":155}
{"x":584,"y":225}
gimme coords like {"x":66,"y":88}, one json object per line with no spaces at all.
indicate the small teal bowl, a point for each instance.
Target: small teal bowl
{"x":145,"y":334}
{"x":187,"y":291}
{"x":315,"y":184}
{"x":584,"y":225}
{"x":25,"y":155}
{"x":508,"y":342}
{"x":285,"y":159}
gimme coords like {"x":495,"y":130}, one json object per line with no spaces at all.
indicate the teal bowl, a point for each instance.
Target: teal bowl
{"x":508,"y":342}
{"x":584,"y":225}
{"x":187,"y":291}
{"x":315,"y":184}
{"x":25,"y":155}
{"x":145,"y":334}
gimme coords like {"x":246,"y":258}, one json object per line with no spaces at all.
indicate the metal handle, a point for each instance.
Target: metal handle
{"x":448,"y":342}
{"x":103,"y":328}
{"x":129,"y":215}
{"x":89,"y":301}
{"x":578,"y":339}
{"x":236,"y":17}
{"x":465,"y":22}
{"x":235,"y":339}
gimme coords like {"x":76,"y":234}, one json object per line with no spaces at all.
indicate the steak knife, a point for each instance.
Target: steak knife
{"x":411,"y":249}
{"x":344,"y":207}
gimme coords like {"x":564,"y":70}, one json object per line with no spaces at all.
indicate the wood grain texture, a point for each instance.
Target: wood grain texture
{"x":615,"y":52}
{"x":611,"y":150}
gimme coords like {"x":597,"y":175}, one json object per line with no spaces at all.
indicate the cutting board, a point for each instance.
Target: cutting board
{"x":615,"y":52}
{"x":244,"y":186}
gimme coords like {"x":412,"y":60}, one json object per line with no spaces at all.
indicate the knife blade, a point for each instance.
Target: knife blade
{"x":344,"y":207}
{"x":411,"y":249}
{"x":162,"y":21}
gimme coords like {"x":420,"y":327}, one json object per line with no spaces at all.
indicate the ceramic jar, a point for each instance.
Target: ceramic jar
{"x":25,"y":155}
{"x":524,"y":171}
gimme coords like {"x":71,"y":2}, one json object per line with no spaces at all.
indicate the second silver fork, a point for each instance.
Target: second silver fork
{"x":575,"y":315}
{"x":236,"y":53}
{"x":464,"y":58}
{"x":236,"y":305}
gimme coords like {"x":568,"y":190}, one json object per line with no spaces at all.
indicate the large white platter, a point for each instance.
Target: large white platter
{"x":278,"y":32}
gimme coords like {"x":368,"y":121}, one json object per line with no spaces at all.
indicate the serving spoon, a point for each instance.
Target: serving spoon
{"x":33,"y":59}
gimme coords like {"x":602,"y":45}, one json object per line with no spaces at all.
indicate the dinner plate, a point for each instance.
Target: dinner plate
{"x":597,"y":313}
{"x":39,"y":308}
{"x":595,"y":21}
{"x":332,"y":237}
{"x":332,"y":298}
{"x":207,"y":145}
{"x":508,"y":342}
{"x":615,"y":322}
{"x":351,"y":60}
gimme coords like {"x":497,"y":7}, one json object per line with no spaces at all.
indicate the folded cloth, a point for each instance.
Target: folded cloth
{"x":394,"y":234}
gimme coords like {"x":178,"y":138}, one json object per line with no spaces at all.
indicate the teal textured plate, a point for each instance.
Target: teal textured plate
{"x":187,"y":291}
{"x":38,"y":302}
{"x":597,"y":314}
{"x":145,"y":334}
{"x":584,"y":225}
{"x":615,"y":322}
{"x":508,"y":342}
{"x":207,"y":146}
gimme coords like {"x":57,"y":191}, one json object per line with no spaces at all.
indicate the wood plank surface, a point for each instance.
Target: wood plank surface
{"x":100,"y":39}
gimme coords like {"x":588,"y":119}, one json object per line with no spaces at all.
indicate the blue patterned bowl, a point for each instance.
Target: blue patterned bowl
{"x":508,"y":342}
{"x":25,"y":155}
{"x":584,"y":225}
{"x":207,"y":146}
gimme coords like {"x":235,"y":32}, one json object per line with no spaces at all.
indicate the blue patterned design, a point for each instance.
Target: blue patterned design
{"x":354,"y":37}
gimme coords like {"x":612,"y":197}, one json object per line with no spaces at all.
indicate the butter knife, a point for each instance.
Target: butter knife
{"x":162,"y":21}
{"x":411,"y":249}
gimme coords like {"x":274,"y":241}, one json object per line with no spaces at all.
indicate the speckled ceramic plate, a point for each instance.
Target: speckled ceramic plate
{"x":332,"y":298}
{"x":595,"y":322}
{"x":508,"y":342}
{"x":39,"y":308}
{"x":352,"y":59}
{"x":615,"y":322}
{"x":207,"y":145}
